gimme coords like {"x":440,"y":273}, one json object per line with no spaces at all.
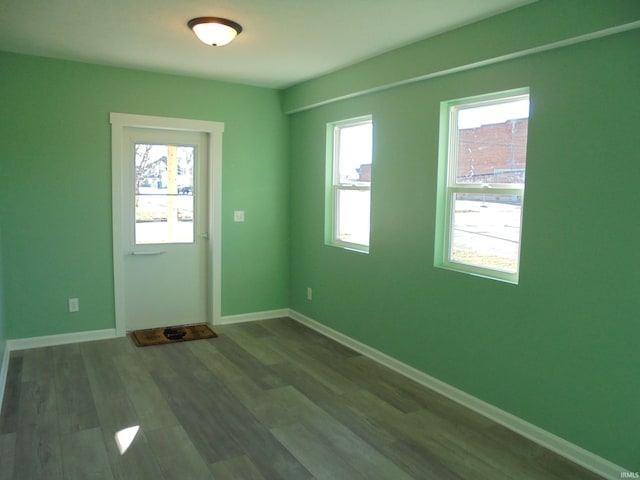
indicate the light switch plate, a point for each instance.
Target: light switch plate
{"x":74,"y":305}
{"x":238,"y":216}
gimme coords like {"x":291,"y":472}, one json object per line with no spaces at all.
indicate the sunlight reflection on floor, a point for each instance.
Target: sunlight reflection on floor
{"x":125,"y":437}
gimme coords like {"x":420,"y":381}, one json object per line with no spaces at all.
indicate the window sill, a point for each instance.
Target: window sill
{"x":497,"y":276}
{"x":350,"y":247}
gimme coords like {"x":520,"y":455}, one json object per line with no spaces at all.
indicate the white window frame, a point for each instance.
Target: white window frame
{"x":335,"y":186}
{"x":448,"y":185}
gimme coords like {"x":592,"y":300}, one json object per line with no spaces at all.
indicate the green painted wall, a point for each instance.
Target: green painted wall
{"x":558,"y":350}
{"x":55,"y":178}
{"x":532,"y":26}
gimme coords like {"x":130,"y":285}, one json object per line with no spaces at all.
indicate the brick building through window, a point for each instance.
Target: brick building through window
{"x":494,"y":153}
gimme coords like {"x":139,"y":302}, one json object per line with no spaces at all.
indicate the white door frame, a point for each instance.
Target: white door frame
{"x":119,"y":123}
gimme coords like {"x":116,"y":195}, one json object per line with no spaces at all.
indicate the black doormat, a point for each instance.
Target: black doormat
{"x":163,"y":335}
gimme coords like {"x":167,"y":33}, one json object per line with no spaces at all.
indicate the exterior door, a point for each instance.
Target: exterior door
{"x":166,"y":175}
{"x":165,"y":262}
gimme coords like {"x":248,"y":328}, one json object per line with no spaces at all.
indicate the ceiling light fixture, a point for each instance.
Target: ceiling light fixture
{"x":214,"y":31}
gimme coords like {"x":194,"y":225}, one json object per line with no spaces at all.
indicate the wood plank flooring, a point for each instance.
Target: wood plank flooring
{"x":264,"y":400}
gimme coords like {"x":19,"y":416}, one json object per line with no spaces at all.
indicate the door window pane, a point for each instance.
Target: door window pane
{"x":164,"y":193}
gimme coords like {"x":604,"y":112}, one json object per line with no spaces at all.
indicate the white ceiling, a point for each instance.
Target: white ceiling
{"x":283,"y":42}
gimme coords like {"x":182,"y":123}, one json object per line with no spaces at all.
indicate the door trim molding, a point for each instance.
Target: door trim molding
{"x":213,"y":130}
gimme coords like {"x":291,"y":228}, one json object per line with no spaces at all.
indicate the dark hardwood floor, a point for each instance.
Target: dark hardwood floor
{"x":264,"y":400}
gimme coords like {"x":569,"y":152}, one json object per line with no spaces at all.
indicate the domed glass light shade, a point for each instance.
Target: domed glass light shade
{"x":214,"y":31}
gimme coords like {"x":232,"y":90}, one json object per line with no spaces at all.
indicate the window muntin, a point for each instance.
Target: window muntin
{"x":485,"y":162}
{"x":350,"y":163}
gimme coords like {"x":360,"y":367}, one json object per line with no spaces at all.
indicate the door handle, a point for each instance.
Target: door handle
{"x":158,"y":252}
{"x":204,"y":235}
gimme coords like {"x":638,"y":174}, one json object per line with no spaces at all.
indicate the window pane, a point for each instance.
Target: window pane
{"x":164,"y":219}
{"x":486,"y":231}
{"x":354,"y":154}
{"x":164,"y":194}
{"x":492,"y":143}
{"x":353,"y":211}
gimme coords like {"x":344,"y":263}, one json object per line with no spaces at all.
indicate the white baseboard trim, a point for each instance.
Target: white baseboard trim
{"x":51,"y":340}
{"x":252,"y":317}
{"x":47,"y":341}
{"x":542,"y":437}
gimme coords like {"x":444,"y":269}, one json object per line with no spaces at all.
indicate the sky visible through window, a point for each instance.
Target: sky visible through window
{"x":489,"y":114}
